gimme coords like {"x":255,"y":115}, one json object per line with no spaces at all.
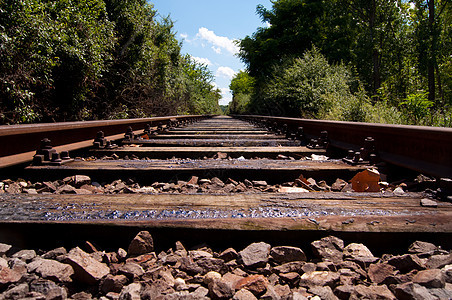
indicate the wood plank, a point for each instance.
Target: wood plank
{"x":218,"y":142}
{"x":199,"y":131}
{"x":149,"y":171}
{"x":218,"y":136}
{"x":200,"y":152}
{"x":333,"y":212}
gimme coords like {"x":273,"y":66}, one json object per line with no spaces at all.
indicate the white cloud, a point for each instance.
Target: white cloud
{"x":226,"y":96}
{"x":183,"y":35}
{"x":225,"y":72}
{"x":202,"y":60}
{"x":224,"y":91}
{"x":217,"y":50}
{"x":220,"y":42}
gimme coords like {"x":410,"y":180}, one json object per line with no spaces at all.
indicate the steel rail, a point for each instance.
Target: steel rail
{"x":19,"y":142}
{"x":420,"y":148}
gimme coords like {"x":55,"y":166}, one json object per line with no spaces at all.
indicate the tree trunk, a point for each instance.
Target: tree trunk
{"x":375,"y":53}
{"x":432,"y":54}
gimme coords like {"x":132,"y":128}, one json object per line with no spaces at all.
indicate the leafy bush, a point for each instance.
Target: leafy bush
{"x":416,"y":107}
{"x":75,"y":60}
{"x":239,"y":104}
{"x":306,"y":87}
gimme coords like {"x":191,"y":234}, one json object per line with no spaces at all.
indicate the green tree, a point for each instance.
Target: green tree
{"x":73,"y":60}
{"x":52,"y":56}
{"x":241,"y":86}
{"x":202,"y":96}
{"x":294,"y":25}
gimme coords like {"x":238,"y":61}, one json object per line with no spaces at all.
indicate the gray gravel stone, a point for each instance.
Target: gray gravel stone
{"x":255,"y":255}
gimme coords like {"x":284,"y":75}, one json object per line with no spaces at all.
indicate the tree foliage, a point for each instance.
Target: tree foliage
{"x":394,"y":50}
{"x":75,"y":60}
{"x":242,"y":88}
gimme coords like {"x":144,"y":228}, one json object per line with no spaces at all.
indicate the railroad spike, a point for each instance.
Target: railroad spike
{"x":320,"y":143}
{"x":129,"y":135}
{"x":46,"y":150}
{"x":100,"y":141}
{"x":368,"y":154}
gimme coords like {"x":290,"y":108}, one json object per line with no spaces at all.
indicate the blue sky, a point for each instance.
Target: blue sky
{"x":207,"y":29}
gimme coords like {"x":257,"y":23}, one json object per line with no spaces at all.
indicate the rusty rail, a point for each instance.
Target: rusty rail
{"x":19,"y":142}
{"x":420,"y":148}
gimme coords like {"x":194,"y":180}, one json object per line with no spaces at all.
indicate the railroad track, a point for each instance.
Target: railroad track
{"x":207,"y":178}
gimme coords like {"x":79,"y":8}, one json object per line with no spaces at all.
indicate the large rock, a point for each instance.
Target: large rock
{"x":433,"y":278}
{"x":86,"y":268}
{"x":66,"y":189}
{"x":373,"y":292}
{"x":292,"y":278}
{"x":412,"y":291}
{"x":320,"y":278}
{"x":281,"y":291}
{"x":354,"y":250}
{"x":293,"y":266}
{"x":347,"y":276}
{"x":131,"y":270}
{"x":447,"y":273}
{"x":217,"y":181}
{"x":189,"y":266}
{"x":16,"y":292}
{"x":82,"y":296}
{"x":77,"y":180}
{"x":141,"y":244}
{"x":419,"y":247}
{"x":228,"y":254}
{"x":155,"y":290}
{"x":131,"y":292}
{"x":212,"y":264}
{"x":324,"y":292}
{"x":25,"y":255}
{"x":441,"y":293}
{"x":3,"y":263}
{"x":338,"y":185}
{"x":406,"y":263}
{"x":59,"y":293}
{"x":328,"y":248}
{"x":51,"y":269}
{"x":4,"y":249}
{"x":180,"y":284}
{"x":232,"y":279}
{"x":8,"y":276}
{"x":364,"y":261}
{"x":255,"y":255}
{"x":167,"y":276}
{"x":284,"y":254}
{"x":55,"y":254}
{"x":256,"y":284}
{"x":244,"y":294}
{"x":211,"y":277}
{"x":198,"y":254}
{"x":112,"y":283}
{"x":380,"y":272}
{"x":220,"y":290}
{"x":47,"y":287}
{"x":200,"y":293}
{"x":439,"y":261}
{"x":309,"y":267}
{"x":344,"y":291}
